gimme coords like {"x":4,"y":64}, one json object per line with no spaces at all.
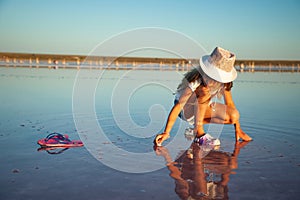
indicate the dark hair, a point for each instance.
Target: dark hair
{"x":228,"y":86}
{"x":194,"y":74}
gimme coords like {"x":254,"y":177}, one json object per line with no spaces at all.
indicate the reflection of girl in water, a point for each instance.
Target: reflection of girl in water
{"x":198,"y":177}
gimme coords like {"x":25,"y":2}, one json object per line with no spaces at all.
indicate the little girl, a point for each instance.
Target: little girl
{"x":193,"y":100}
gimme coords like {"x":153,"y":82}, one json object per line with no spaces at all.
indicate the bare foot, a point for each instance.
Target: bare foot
{"x":241,"y":135}
{"x":240,"y":144}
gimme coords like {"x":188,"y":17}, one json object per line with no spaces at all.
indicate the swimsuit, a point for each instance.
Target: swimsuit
{"x":193,"y":86}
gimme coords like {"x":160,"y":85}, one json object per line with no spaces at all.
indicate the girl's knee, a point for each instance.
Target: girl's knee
{"x":234,"y":115}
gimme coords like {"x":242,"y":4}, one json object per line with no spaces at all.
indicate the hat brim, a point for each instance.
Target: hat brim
{"x":216,"y":73}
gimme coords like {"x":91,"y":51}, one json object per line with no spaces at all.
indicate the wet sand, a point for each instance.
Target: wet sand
{"x":36,"y":102}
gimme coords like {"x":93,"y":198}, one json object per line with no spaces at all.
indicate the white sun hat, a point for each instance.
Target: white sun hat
{"x":219,"y":65}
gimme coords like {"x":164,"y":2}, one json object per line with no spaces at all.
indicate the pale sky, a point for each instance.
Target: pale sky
{"x":256,"y":29}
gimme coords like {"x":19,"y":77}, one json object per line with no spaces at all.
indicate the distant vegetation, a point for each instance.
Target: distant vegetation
{"x":81,"y":61}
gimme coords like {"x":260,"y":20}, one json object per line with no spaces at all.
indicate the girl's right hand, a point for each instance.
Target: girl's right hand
{"x":160,"y":138}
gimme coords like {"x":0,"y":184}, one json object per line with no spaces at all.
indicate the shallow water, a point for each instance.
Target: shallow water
{"x":130,"y":107}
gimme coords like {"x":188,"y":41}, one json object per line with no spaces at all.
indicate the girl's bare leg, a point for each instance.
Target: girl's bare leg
{"x":220,"y":113}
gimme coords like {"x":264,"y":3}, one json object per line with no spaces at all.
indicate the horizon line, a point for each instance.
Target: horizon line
{"x":81,"y":56}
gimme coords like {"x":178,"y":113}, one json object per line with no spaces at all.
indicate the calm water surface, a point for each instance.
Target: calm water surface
{"x":131,"y":107}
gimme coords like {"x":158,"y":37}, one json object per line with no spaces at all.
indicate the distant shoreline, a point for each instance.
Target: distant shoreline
{"x":154,"y":63}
